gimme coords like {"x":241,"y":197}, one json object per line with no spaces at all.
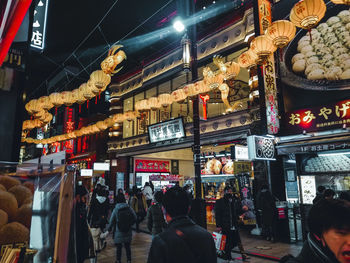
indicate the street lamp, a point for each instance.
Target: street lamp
{"x":179,"y":26}
{"x":186,"y":52}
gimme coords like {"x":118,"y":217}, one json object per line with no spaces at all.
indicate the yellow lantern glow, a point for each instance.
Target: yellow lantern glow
{"x":100,"y":80}
{"x":165,"y":99}
{"x":213,"y":80}
{"x":80,"y":99}
{"x":56,"y":99}
{"x":36,"y":107}
{"x":45,"y":102}
{"x":68,"y":98}
{"x":101,"y":125}
{"x":118,"y":118}
{"x":229,"y":69}
{"x":29,"y":107}
{"x":200,"y":87}
{"x":307,"y":14}
{"x":130,"y":115}
{"x":247,"y":59}
{"x":178,"y":95}
{"x":87,"y":93}
{"x":109,"y":122}
{"x":154,"y":103}
{"x":263,"y":47}
{"x":281,"y":32}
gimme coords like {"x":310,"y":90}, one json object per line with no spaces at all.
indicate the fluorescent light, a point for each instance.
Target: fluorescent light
{"x":329,"y":154}
{"x":291,"y":161}
{"x":179,"y":26}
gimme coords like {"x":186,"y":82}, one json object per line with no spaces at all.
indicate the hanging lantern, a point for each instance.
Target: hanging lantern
{"x":229,"y":69}
{"x":281,"y":32}
{"x":213,"y":80}
{"x":101,"y":125}
{"x":186,"y":52}
{"x":28,"y":125}
{"x":78,"y":133}
{"x":130,"y":115}
{"x":56,"y":99}
{"x":29,"y":140}
{"x":87,"y":93}
{"x":94,"y":129}
{"x":68,"y":98}
{"x":40,"y":114}
{"x":45,"y":103}
{"x":178,"y":95}
{"x":247,"y":59}
{"x":37,"y":123}
{"x":341,"y":2}
{"x":201,"y":88}
{"x":36,"y":107}
{"x":29,"y":107}
{"x":100,"y":80}
{"x":109,"y":122}
{"x":48,"y":118}
{"x":71,"y":135}
{"x":113,"y":59}
{"x":144,"y":105}
{"x":307,"y":14}
{"x":118,"y":118}
{"x":189,"y":90}
{"x":154,"y":103}
{"x":165,"y":99}
{"x":44,"y":115}
{"x":263,"y":47}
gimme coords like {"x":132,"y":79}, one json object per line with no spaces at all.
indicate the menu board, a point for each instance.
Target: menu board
{"x":168,"y":130}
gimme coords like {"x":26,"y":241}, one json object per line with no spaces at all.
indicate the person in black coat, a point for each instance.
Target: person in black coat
{"x":183,"y":241}
{"x":319,"y":194}
{"x":227,"y":211}
{"x":155,"y":218}
{"x":329,"y":238}
{"x":267,"y":206}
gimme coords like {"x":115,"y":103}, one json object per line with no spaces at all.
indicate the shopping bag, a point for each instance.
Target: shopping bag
{"x":220,"y":240}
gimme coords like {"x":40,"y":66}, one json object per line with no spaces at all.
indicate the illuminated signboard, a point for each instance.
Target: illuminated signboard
{"x":101,"y":166}
{"x":241,"y":153}
{"x":319,"y":118}
{"x":261,"y":148}
{"x":308,"y":188}
{"x":167,"y":130}
{"x":151,"y":166}
{"x":39,"y":25}
{"x":86,"y":172}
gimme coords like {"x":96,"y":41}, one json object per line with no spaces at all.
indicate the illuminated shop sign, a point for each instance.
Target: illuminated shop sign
{"x":151,"y":166}
{"x":167,"y":130}
{"x":86,"y":172}
{"x":39,"y":25}
{"x":101,"y":166}
{"x":269,"y":73}
{"x":68,"y":145}
{"x":319,"y":118}
{"x":261,"y":148}
{"x":240,"y":153}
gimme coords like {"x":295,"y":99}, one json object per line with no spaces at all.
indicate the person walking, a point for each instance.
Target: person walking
{"x":227,"y":211}
{"x":122,"y":218}
{"x":155,"y":218}
{"x":183,"y":241}
{"x":267,"y":206}
{"x":139,"y":205}
{"x":329,"y":238}
{"x":148,"y":193}
{"x":319,"y":194}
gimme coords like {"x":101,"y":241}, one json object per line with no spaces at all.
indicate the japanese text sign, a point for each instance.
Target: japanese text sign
{"x":39,"y":25}
{"x":319,"y":118}
{"x":264,"y":14}
{"x":151,"y":166}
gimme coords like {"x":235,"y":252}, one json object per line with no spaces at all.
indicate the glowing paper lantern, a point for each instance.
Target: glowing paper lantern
{"x":307,"y":14}
{"x":263,"y":47}
{"x":281,"y":32}
{"x":178,"y":95}
{"x":68,"y":98}
{"x":86,"y":91}
{"x":100,"y":80}
{"x":341,"y":2}
{"x":101,"y":125}
{"x":165,"y":99}
{"x":153,"y":103}
{"x":213,"y":80}
{"x":45,"y":103}
{"x":56,"y":99}
{"x":189,"y":90}
{"x":247,"y":59}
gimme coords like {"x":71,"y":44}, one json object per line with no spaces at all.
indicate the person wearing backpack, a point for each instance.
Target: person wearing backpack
{"x":122,"y":218}
{"x":155,"y":218}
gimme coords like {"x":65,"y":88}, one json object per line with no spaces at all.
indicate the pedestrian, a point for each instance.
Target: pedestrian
{"x":84,"y":243}
{"x":227,"y":211}
{"x":319,"y":194}
{"x":267,"y":206}
{"x":97,"y":216}
{"x":329,"y":194}
{"x":148,"y":193}
{"x":155,"y":218}
{"x":329,"y":238}
{"x":139,"y":205}
{"x":183,"y":241}
{"x":122,"y":218}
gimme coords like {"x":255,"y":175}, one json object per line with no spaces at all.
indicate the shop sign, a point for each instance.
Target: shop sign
{"x":269,"y":72}
{"x":308,"y":186}
{"x":261,"y":148}
{"x":39,"y":25}
{"x":239,"y":152}
{"x":242,"y":167}
{"x":101,"y":166}
{"x":314,"y":148}
{"x":165,"y":177}
{"x":68,"y":145}
{"x":167,"y":130}
{"x":319,"y":118}
{"x":86,"y":172}
{"x":151,"y":166}
{"x":15,"y":59}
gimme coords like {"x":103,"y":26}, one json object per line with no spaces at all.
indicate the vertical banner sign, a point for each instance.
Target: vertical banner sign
{"x":69,"y":127}
{"x":39,"y":25}
{"x":269,"y":73}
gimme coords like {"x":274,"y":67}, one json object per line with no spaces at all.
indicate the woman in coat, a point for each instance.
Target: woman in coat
{"x":139,"y":205}
{"x":155,"y":218}
{"x":120,"y":237}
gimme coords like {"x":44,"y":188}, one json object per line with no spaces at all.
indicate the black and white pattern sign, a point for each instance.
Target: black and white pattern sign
{"x":39,"y":24}
{"x":261,"y":148}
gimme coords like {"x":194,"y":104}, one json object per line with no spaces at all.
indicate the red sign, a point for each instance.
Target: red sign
{"x":69,"y":127}
{"x":151,"y":166}
{"x":319,"y":118}
{"x":165,"y":177}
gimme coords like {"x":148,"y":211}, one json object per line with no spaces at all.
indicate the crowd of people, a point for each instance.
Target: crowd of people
{"x":177,"y":238}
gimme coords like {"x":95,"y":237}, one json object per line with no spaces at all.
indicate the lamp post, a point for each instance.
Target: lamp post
{"x":189,"y":48}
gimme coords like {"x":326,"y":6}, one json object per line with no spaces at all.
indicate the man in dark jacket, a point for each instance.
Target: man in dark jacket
{"x":183,"y":241}
{"x":155,"y":218}
{"x":227,"y":211}
{"x":329,"y":238}
{"x":319,"y":194}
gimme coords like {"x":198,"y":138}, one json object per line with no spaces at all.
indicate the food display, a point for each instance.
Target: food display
{"x":15,"y":210}
{"x":331,"y":163}
{"x":324,"y":52}
{"x":213,"y":166}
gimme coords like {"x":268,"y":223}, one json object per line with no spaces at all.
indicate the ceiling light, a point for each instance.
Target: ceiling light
{"x":179,"y":26}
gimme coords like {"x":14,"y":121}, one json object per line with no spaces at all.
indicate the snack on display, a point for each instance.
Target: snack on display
{"x":228,"y":168}
{"x":213,"y":166}
{"x":13,"y":233}
{"x":328,"y":164}
{"x":326,"y":53}
{"x":9,"y":204}
{"x":3,"y":218}
{"x":8,"y":181}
